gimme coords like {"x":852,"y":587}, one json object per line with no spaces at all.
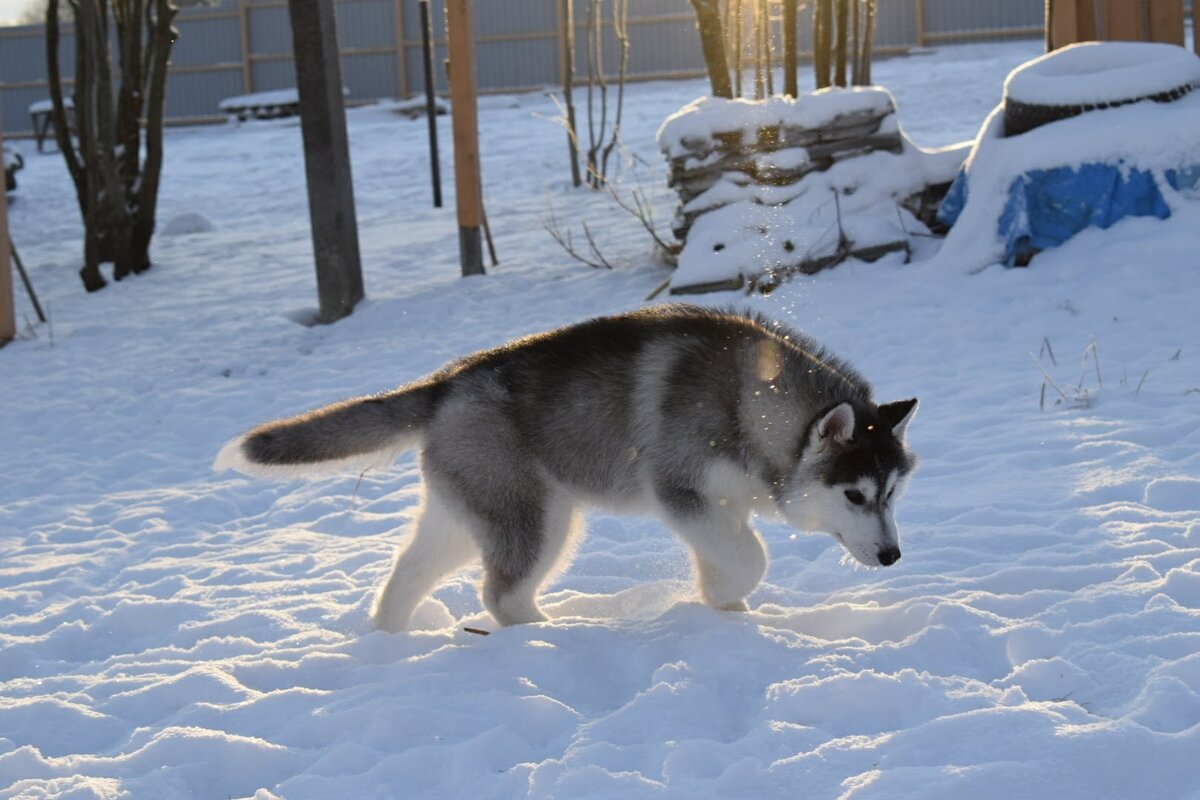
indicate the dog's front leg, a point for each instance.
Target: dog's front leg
{"x":729,"y":557}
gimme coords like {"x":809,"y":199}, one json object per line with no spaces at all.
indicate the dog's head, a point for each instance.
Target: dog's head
{"x":853,"y":466}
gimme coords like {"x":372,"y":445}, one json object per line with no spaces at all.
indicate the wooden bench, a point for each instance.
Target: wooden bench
{"x":262,"y":105}
{"x":275,"y":104}
{"x":41,"y":115}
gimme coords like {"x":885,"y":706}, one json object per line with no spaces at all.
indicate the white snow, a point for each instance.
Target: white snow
{"x":169,"y":633}
{"x":1103,"y":72}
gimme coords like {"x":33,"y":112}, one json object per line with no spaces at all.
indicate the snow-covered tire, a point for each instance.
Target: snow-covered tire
{"x":1095,"y":75}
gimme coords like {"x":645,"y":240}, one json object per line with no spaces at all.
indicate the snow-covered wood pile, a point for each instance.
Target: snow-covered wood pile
{"x":769,"y":188}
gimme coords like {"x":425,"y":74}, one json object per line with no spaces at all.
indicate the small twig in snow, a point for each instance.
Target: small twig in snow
{"x":1050,"y":380}
{"x":1143,"y":380}
{"x":1049,"y":350}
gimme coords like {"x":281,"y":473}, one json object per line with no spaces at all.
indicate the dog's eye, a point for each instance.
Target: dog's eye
{"x":855,"y":496}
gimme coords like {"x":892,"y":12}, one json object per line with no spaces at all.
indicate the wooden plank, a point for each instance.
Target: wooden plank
{"x":465,"y":127}
{"x":1126,"y":20}
{"x":1166,"y":21}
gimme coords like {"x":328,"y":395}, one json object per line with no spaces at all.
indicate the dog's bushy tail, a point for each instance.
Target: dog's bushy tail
{"x":358,"y":433}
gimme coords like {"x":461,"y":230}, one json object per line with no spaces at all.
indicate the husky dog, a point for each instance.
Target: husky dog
{"x":699,"y":416}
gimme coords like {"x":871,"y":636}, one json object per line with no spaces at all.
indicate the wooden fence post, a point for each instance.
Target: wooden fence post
{"x":464,"y":120}
{"x":326,"y":157}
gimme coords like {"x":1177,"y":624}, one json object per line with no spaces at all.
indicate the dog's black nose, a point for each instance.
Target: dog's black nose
{"x":889,"y":555}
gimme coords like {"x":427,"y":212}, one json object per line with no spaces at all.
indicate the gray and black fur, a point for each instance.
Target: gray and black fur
{"x":701,"y":416}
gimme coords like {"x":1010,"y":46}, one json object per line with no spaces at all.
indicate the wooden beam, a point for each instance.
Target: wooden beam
{"x":326,"y":157}
{"x":468,"y":187}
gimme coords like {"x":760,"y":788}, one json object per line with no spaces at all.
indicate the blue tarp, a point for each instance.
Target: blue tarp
{"x":1046,"y":207}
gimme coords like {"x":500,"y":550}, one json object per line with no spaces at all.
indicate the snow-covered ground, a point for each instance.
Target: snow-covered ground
{"x":167,"y":633}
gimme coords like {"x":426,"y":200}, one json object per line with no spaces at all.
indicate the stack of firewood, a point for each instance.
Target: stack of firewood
{"x":776,"y":155}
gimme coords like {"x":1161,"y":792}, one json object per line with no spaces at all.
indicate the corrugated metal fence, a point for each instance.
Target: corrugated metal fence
{"x":242,"y":46}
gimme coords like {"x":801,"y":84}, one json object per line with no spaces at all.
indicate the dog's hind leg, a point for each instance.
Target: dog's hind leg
{"x":523,"y":551}
{"x":440,"y":545}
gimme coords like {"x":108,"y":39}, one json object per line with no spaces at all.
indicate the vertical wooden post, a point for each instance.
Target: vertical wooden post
{"x":8,"y":318}
{"x":1126,"y":20}
{"x":920,"y":17}
{"x":465,"y":123}
{"x":790,"y":66}
{"x":401,"y":50}
{"x":1166,"y":21}
{"x":1070,"y":21}
{"x":326,"y":157}
{"x":244,"y":32}
{"x":1196,"y":26}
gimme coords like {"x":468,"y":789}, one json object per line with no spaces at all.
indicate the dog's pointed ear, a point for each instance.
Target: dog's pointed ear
{"x":898,"y":414}
{"x":836,"y":424}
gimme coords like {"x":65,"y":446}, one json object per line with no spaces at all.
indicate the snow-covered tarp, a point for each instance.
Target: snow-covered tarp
{"x":1020,"y":194}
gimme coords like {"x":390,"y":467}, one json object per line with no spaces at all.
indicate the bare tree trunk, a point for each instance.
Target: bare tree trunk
{"x":117,"y":191}
{"x":822,"y":41}
{"x":621,"y":29}
{"x":712,"y":43}
{"x":568,"y":15}
{"x":161,"y":36}
{"x":760,"y":79}
{"x":855,"y":25}
{"x":843,"y":22}
{"x":592,"y":43}
{"x":62,"y":129}
{"x":768,"y":67}
{"x":789,"y":49}
{"x":595,"y":173}
{"x":738,"y":40}
{"x":868,"y":43}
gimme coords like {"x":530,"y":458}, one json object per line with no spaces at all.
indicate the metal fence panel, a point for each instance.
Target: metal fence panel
{"x":270,"y":30}
{"x":275,"y":73}
{"x":366,"y":24}
{"x":369,"y":75}
{"x":237,"y":46}
{"x":961,"y":18}
{"x":196,"y":94}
